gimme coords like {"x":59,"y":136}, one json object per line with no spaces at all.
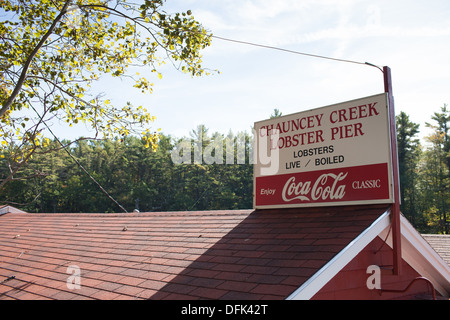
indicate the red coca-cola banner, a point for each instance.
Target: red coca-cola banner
{"x":351,"y":184}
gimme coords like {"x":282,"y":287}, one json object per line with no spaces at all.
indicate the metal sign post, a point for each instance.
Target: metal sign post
{"x":395,"y":207}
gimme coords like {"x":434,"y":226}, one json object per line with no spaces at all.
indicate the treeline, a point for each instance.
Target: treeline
{"x":139,"y":178}
{"x":424,"y":172}
{"x":134,"y":176}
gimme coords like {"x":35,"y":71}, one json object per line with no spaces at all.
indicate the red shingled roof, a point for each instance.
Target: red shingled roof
{"x":440,"y":243}
{"x":243,"y":254}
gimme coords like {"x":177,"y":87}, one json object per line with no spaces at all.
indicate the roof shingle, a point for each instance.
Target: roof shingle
{"x":441,"y":244}
{"x":241,"y":254}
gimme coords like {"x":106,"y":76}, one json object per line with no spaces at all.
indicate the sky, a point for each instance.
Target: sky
{"x":411,"y":37}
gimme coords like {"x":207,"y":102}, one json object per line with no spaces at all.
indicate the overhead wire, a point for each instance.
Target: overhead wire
{"x":81,"y":166}
{"x":285,"y":50}
{"x":296,"y":52}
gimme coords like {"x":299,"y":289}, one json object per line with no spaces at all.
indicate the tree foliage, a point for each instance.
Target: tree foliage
{"x":54,"y":52}
{"x":424,"y":172}
{"x":409,"y":152}
{"x":435,"y":173}
{"x":135,"y":176}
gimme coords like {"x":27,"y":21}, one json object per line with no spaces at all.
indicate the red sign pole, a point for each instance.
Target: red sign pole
{"x":395,"y":208}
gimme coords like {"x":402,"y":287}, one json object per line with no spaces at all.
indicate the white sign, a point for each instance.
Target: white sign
{"x":333,"y":155}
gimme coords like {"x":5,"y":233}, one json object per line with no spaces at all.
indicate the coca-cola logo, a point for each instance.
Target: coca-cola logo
{"x":325,"y":187}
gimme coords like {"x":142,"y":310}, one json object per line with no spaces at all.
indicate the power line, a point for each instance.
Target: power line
{"x":81,"y":166}
{"x":295,"y":52}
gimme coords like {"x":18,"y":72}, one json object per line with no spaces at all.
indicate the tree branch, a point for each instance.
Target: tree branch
{"x":7,"y":104}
